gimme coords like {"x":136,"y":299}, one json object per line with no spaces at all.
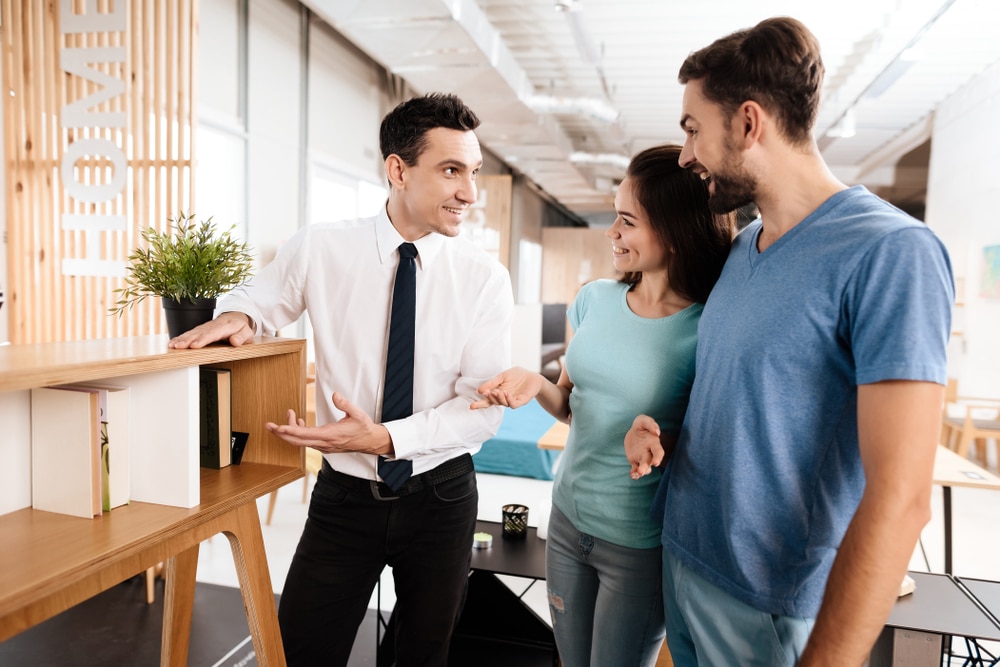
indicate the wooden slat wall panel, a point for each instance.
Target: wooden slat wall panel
{"x":47,"y":301}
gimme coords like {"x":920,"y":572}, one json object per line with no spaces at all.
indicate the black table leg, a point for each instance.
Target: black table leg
{"x":946,"y":494}
{"x":946,"y":497}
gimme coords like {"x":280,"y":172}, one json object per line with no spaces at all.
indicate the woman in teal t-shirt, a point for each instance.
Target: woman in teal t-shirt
{"x":632,"y":353}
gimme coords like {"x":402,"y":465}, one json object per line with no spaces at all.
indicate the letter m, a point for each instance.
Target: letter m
{"x":78,"y":113}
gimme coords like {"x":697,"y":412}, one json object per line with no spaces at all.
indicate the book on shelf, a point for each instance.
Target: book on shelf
{"x":116,"y":438}
{"x":65,"y":451}
{"x":216,"y":416}
{"x":239,"y":446}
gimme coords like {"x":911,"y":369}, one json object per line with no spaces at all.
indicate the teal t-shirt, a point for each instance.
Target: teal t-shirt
{"x":621,"y":366}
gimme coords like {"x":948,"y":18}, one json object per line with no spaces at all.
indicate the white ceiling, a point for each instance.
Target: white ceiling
{"x":506,"y":58}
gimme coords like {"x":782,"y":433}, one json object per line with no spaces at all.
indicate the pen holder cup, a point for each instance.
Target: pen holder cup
{"x":515,"y":522}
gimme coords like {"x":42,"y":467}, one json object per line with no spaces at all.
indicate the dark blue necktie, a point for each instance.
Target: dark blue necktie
{"x":397,"y":397}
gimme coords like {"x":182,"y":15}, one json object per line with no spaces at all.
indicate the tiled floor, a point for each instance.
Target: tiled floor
{"x":975,"y":542}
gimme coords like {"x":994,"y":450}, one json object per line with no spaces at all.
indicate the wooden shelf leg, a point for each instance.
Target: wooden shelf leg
{"x":247,"y":542}
{"x":178,"y":603}
{"x":270,"y":506}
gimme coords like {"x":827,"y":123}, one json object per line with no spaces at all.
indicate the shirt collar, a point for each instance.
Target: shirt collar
{"x":388,"y":240}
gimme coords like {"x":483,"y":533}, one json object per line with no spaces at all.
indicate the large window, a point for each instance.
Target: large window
{"x":220,"y":177}
{"x":335,"y":195}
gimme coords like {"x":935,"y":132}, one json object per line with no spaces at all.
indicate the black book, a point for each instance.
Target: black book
{"x":215,"y":401}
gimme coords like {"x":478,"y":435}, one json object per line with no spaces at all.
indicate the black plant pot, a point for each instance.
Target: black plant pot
{"x":186,"y":314}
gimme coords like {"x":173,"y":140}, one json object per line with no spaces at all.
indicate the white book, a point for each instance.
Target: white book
{"x":64,"y":451}
{"x":164,"y":456}
{"x":116,"y":443}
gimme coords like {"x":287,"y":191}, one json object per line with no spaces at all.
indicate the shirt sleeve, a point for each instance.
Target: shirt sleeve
{"x":898,"y":309}
{"x":274,"y":297}
{"x":452,"y":425}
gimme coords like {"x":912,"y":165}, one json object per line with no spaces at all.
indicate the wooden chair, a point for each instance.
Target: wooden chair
{"x":968,"y":420}
{"x":152,"y":574}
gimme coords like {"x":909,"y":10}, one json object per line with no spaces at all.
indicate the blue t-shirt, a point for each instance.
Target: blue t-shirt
{"x":767,"y":473}
{"x":621,"y":365}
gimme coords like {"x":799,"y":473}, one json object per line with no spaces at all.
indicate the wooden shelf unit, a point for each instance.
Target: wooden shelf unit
{"x":50,"y":562}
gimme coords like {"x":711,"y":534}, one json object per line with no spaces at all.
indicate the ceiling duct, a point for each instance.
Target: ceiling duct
{"x":584,"y":106}
{"x":450,"y":46}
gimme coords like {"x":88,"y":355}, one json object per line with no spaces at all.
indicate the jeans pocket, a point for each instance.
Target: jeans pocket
{"x":328,"y":494}
{"x":790,"y":635}
{"x":456,"y":490}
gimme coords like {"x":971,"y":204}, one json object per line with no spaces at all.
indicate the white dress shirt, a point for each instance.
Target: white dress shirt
{"x":343,"y":274}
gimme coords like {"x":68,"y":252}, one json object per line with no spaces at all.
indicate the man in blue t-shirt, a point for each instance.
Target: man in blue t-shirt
{"x":802,"y":476}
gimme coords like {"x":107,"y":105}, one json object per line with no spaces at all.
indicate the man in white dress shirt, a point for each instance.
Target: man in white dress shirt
{"x":343,"y":274}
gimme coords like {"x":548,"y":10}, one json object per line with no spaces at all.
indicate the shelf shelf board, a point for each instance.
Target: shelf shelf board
{"x":44,"y":552}
{"x":46,"y":364}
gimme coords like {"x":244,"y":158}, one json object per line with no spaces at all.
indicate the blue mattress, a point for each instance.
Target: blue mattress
{"x":514,"y":449}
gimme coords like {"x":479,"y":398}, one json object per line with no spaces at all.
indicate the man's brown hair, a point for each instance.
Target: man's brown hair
{"x":776,"y":64}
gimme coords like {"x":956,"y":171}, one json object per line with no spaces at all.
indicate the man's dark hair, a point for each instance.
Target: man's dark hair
{"x":675,"y":201}
{"x":404,"y":129}
{"x":776,"y":63}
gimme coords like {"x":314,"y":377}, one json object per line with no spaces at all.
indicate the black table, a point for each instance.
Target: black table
{"x":519,"y":558}
{"x":496,"y":628}
{"x":942,"y":606}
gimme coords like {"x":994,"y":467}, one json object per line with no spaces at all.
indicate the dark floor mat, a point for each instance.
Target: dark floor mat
{"x":117,"y":628}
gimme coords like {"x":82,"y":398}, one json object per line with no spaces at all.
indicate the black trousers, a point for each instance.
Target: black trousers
{"x":350,"y":535}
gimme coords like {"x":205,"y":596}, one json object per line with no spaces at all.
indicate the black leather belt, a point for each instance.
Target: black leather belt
{"x":450,"y":469}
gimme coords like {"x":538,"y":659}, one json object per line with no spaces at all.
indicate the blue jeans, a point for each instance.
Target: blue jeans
{"x":706,"y":626}
{"x":605,"y":599}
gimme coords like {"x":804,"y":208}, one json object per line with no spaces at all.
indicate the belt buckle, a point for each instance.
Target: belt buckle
{"x":375,"y":492}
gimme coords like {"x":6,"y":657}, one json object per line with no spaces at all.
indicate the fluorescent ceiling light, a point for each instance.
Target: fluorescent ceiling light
{"x":888,"y":77}
{"x":844,"y":128}
{"x":567,"y":5}
{"x":584,"y":43}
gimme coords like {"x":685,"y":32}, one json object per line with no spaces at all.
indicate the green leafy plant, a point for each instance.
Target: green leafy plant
{"x":190,"y":260}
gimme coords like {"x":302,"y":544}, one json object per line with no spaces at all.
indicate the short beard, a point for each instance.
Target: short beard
{"x":731,"y":193}
{"x":734,"y":187}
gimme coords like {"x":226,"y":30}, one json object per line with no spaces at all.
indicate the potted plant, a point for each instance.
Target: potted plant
{"x":188,"y":266}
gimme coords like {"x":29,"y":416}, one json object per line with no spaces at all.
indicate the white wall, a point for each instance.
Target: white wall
{"x":345,"y":105}
{"x":527,"y":211}
{"x":962,"y":194}
{"x":526,"y":336}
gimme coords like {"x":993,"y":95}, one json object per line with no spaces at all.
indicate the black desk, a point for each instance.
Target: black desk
{"x":496,"y":628}
{"x":519,"y":558}
{"x":916,"y":629}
